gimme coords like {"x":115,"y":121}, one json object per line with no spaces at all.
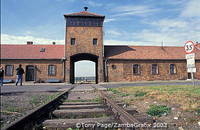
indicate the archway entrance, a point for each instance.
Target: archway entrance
{"x":81,"y":57}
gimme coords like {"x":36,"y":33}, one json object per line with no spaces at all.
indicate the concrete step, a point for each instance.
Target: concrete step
{"x":79,"y":113}
{"x":82,"y":106}
{"x":63,"y":124}
{"x":79,"y":103}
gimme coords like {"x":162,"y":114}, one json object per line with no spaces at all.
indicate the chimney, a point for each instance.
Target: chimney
{"x":54,"y":43}
{"x":85,"y":8}
{"x":29,"y":43}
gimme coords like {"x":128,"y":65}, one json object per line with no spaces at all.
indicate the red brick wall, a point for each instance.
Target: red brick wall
{"x":124,"y":71}
{"x":84,"y":44}
{"x":42,"y":68}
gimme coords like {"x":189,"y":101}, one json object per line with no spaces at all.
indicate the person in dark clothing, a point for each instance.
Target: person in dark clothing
{"x":20,"y":72}
{"x":1,"y":75}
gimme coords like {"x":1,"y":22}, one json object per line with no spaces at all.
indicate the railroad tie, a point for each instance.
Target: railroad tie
{"x":79,"y":103}
{"x":67,"y":113}
{"x":59,"y":124}
{"x":91,"y":106}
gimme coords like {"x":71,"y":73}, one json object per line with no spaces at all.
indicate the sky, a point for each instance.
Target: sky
{"x":127,"y":22}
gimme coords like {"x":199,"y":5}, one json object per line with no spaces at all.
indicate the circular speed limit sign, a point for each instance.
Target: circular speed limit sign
{"x":189,"y":47}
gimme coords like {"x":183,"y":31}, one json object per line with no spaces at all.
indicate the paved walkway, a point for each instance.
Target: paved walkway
{"x":51,"y":87}
{"x":34,"y":88}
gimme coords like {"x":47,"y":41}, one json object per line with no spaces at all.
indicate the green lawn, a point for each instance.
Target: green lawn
{"x":187,"y":96}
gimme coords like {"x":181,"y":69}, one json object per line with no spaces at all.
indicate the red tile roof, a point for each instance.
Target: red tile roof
{"x":111,"y":52}
{"x":147,"y":52}
{"x":84,"y":13}
{"x":31,"y":51}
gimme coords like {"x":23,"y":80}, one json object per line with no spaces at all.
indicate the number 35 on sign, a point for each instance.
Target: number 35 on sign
{"x":189,"y":47}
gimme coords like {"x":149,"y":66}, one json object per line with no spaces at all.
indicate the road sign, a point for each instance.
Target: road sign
{"x":189,"y":47}
{"x":190,"y":56}
{"x":190,"y":60}
{"x":190,"y":63}
{"x":191,"y":70}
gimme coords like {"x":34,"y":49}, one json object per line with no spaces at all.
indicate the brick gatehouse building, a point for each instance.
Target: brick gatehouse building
{"x":84,"y":41}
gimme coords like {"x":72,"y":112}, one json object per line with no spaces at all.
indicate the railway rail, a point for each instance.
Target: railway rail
{"x":84,"y":108}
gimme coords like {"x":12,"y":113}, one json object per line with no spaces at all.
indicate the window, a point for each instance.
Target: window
{"x":94,"y":41}
{"x":114,"y":67}
{"x":172,"y":69}
{"x":42,"y":49}
{"x":52,"y":70}
{"x":154,"y":69}
{"x":9,"y":70}
{"x":136,"y":69}
{"x":73,"y":41}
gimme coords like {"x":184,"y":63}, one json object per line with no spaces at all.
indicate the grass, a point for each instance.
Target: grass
{"x":187,"y":96}
{"x":197,"y":111}
{"x":158,"y":110}
{"x":42,"y":99}
{"x":140,"y":93}
{"x":115,"y":91}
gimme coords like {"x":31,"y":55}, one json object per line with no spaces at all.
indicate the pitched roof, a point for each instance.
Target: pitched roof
{"x":32,"y":51}
{"x":147,"y":52}
{"x":84,"y":13}
{"x":111,"y":52}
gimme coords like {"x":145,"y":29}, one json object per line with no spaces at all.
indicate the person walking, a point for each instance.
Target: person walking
{"x":1,"y":75}
{"x":20,"y":72}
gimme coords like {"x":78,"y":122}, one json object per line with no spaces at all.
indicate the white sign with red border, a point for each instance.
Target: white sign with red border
{"x":190,"y":56}
{"x":189,"y":47}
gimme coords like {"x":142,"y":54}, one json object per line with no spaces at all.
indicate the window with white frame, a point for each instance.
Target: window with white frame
{"x":136,"y":69}
{"x":51,"y":70}
{"x":9,"y":70}
{"x":172,"y":69}
{"x":154,"y":69}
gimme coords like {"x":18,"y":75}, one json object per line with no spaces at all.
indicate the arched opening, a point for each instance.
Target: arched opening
{"x":82,"y":57}
{"x":85,"y":71}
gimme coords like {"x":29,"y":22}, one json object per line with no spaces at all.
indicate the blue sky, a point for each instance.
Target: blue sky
{"x":128,"y":22}
{"x":132,"y":22}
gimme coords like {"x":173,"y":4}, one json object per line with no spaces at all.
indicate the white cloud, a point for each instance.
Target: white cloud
{"x":109,"y":20}
{"x":173,"y":32}
{"x":12,"y":39}
{"x":113,"y":33}
{"x":192,"y":9}
{"x":134,"y":10}
{"x":170,"y":23}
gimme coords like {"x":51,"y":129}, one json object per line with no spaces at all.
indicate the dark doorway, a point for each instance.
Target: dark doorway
{"x":30,"y":73}
{"x":80,"y":57}
{"x":189,"y":76}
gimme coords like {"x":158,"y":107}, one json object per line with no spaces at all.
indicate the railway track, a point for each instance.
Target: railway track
{"x":82,"y":107}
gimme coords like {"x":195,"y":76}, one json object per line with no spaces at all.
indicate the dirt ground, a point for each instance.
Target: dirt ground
{"x":15,"y":105}
{"x":182,"y":115}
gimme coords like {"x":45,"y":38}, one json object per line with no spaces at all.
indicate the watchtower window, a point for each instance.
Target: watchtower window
{"x":94,"y":41}
{"x":73,"y":41}
{"x":42,"y":49}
